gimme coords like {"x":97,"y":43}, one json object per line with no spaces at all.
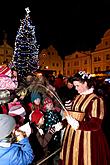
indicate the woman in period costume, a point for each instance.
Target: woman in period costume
{"x":84,"y":142}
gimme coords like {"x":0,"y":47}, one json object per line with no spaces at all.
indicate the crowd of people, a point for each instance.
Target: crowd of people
{"x":39,"y":115}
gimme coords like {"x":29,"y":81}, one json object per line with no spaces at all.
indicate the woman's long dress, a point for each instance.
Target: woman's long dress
{"x":87,"y":145}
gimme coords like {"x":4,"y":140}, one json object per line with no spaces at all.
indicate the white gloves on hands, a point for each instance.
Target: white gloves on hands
{"x":57,"y":126}
{"x":40,"y":131}
{"x":73,"y":122}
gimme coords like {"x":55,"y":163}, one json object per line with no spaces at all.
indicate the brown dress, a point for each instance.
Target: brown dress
{"x":87,"y":145}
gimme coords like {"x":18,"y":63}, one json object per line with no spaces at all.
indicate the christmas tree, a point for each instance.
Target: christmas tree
{"x":25,"y":58}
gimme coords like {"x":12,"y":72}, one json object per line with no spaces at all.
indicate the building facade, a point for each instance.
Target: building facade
{"x":49,"y":59}
{"x":101,"y":55}
{"x":6,"y":52}
{"x":92,"y":62}
{"x":76,"y":62}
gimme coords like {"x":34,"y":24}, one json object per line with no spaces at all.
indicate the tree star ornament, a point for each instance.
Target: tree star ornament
{"x":27,"y":10}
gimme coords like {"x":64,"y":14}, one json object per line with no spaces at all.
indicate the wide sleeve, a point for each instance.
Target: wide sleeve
{"x":94,"y":116}
{"x":23,"y":153}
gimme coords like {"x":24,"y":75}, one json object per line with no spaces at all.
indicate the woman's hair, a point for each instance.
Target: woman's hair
{"x":70,"y":80}
{"x":82,"y":76}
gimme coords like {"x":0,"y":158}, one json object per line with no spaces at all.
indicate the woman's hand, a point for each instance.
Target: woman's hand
{"x":73,"y":122}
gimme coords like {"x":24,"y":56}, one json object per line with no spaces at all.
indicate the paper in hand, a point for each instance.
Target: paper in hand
{"x":26,"y":128}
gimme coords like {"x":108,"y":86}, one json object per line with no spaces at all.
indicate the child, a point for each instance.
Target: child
{"x":11,"y":152}
{"x":17,"y":111}
{"x":38,"y":139}
{"x":52,"y":116}
{"x":35,"y":102}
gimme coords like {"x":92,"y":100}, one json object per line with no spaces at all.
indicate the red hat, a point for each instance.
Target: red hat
{"x":36,"y":116}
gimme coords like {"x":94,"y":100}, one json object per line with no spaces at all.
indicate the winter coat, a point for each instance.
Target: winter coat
{"x":40,"y":142}
{"x":17,"y":154}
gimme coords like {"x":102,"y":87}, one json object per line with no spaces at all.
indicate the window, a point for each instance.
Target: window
{"x":107,"y":56}
{"x":68,"y":73}
{"x":76,"y":56}
{"x":53,"y":64}
{"x":85,"y":61}
{"x":95,"y":70}
{"x":107,"y":67}
{"x":68,"y":64}
{"x":99,"y":58}
{"x":95,"y":59}
{"x":106,"y":43}
{"x":57,"y":64}
{"x":99,"y":69}
{"x":75,"y":63}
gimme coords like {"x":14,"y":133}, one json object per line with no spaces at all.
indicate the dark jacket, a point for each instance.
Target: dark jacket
{"x":40,"y":142}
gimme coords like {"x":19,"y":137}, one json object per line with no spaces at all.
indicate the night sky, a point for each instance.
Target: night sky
{"x":68,"y":26}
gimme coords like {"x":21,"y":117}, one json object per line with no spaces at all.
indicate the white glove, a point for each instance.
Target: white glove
{"x":57,"y":126}
{"x":73,"y":122}
{"x":40,"y":131}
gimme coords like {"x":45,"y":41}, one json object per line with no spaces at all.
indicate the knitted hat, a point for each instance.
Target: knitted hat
{"x":36,"y":116}
{"x":34,"y":96}
{"x":5,"y":70}
{"x":16,"y":109}
{"x":7,"y":124}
